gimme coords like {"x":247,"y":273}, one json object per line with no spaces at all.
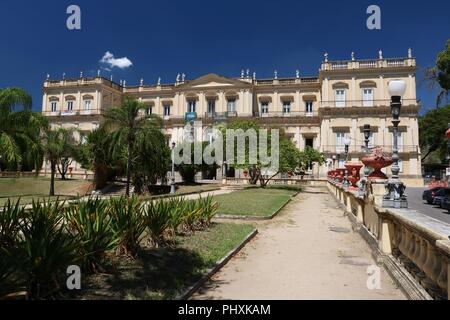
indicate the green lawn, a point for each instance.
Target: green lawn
{"x":166,"y":272}
{"x":253,"y":202}
{"x":28,"y":189}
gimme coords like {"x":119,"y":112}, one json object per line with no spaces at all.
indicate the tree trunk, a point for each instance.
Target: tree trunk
{"x":52,"y":178}
{"x":130,"y":148}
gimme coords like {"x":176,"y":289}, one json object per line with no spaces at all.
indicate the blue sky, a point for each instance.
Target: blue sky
{"x":163,"y":38}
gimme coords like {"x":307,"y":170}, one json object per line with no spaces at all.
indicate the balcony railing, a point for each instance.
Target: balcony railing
{"x":68,"y":113}
{"x":270,"y":82}
{"x":369,"y":64}
{"x":292,"y":114}
{"x":365,"y":103}
{"x":340,"y":149}
{"x":221,"y":115}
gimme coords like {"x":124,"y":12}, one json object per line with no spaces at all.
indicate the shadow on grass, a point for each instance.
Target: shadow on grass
{"x":161,"y":273}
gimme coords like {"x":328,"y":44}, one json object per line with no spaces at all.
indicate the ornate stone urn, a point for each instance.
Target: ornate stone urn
{"x":377,"y":160}
{"x":353,"y":169}
{"x":340,"y":174}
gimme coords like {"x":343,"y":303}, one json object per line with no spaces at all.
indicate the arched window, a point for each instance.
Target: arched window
{"x":70,"y":102}
{"x":87,"y":102}
{"x":54,"y":101}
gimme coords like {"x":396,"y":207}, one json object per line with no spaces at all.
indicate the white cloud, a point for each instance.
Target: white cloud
{"x":112,"y":62}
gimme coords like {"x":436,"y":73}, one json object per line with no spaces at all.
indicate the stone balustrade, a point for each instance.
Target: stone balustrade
{"x":414,"y":248}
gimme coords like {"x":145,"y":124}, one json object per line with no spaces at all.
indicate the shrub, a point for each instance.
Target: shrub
{"x":128,"y":222}
{"x":158,"y":217}
{"x":44,"y":250}
{"x":158,"y":190}
{"x":10,"y":223}
{"x":192,"y":214}
{"x":208,"y":210}
{"x":89,"y":221}
{"x":176,"y":213}
{"x":188,"y":172}
{"x":295,"y":188}
{"x":9,"y":231}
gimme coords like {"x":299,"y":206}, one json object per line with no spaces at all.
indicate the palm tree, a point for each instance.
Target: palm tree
{"x":125,"y":122}
{"x":56,"y":144}
{"x":96,"y":154}
{"x":19,"y":131}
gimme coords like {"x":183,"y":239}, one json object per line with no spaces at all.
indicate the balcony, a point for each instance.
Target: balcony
{"x":221,"y":115}
{"x":292,"y":114}
{"x":355,"y":149}
{"x":69,"y":113}
{"x":368,"y":64}
{"x":364,"y":103}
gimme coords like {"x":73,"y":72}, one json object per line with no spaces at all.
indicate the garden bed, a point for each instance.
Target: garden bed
{"x":164,"y":273}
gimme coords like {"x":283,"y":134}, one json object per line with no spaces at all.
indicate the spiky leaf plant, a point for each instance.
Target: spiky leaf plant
{"x":91,"y":225}
{"x":128,"y":222}
{"x":45,"y":249}
{"x":158,"y":217}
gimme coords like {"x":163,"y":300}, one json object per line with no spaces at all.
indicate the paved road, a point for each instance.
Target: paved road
{"x":415,"y":202}
{"x":308,"y":252}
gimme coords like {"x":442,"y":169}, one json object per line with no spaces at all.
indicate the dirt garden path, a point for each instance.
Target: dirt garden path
{"x":307,"y":252}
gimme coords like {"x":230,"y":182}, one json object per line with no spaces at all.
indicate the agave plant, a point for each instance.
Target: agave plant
{"x":192,"y":214}
{"x":9,"y":229}
{"x":158,"y":217}
{"x":128,"y":222}
{"x":209,"y":210}
{"x":44,"y":250}
{"x":177,"y":211}
{"x":91,"y":224}
{"x":9,"y":223}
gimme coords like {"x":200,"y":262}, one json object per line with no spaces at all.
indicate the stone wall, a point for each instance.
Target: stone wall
{"x":414,"y":248}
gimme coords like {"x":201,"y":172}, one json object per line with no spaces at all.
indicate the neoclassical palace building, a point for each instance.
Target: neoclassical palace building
{"x":319,"y":111}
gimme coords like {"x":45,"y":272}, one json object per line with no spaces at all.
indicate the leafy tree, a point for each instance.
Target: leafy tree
{"x":20,"y":130}
{"x":126,"y":123}
{"x":290,"y":158}
{"x":56,"y":144}
{"x":432,"y":128}
{"x":440,"y":74}
{"x":308,"y":156}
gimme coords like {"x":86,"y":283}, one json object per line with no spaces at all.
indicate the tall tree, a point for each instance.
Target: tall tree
{"x":289,"y":157}
{"x":125,"y":122}
{"x":56,"y":144}
{"x":440,"y":73}
{"x":19,"y":129}
{"x":95,"y":153}
{"x":432,"y":128}
{"x":152,"y":157}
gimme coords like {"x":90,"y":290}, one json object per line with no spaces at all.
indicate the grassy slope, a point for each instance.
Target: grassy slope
{"x":253,"y":202}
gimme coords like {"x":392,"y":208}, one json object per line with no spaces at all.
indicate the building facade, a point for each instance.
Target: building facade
{"x":319,"y":111}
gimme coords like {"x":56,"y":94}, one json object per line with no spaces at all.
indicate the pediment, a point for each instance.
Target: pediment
{"x":212,"y":84}
{"x":215,"y":81}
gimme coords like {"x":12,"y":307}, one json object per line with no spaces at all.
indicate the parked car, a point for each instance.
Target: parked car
{"x":446,"y":204}
{"x":428,"y":195}
{"x":439,"y":197}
